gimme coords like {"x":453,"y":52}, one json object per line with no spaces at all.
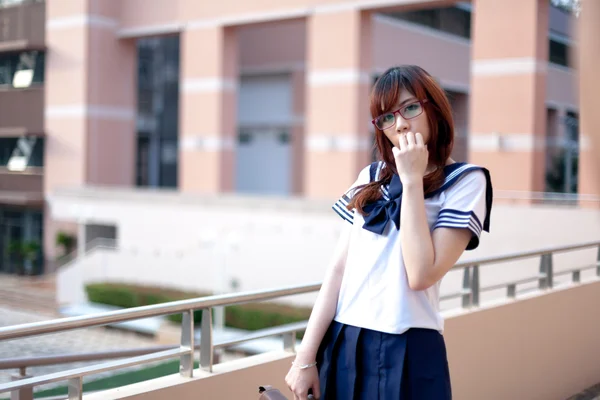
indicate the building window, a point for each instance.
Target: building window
{"x":559,"y":53}
{"x":17,"y":154}
{"x":563,"y":155}
{"x":452,"y":20}
{"x":10,"y":3}
{"x":7,"y":145}
{"x":21,"y":233}
{"x":22,"y":70}
{"x":157,"y":111}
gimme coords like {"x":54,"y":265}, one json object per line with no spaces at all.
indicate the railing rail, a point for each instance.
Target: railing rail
{"x":155,"y":310}
{"x":186,"y":350}
{"x":550,"y":197}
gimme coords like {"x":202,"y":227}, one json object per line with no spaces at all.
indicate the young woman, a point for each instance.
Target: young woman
{"x":376,"y":331}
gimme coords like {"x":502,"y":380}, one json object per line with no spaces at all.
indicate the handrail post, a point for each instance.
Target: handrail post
{"x":76,"y":388}
{"x":24,"y":393}
{"x":511,"y":291}
{"x":546,"y":280}
{"x":289,"y":341}
{"x":475,"y":286}
{"x":186,"y":361}
{"x":598,"y":263}
{"x":206,"y":342}
{"x":466,"y":296}
{"x":549,"y":270}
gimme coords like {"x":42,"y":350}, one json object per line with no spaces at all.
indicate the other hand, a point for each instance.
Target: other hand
{"x":301,"y":380}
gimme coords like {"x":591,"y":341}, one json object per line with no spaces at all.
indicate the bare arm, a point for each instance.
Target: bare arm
{"x":427,"y":257}
{"x":326,"y":303}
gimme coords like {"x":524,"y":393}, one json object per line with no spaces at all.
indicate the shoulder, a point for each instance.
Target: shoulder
{"x":469,"y":177}
{"x":369,"y":172}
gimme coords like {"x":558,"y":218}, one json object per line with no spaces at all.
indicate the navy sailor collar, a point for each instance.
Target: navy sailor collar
{"x":379,"y":213}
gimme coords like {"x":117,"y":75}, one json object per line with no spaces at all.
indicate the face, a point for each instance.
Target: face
{"x":408,"y":115}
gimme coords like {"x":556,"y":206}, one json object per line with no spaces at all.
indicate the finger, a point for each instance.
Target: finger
{"x":403,"y":143}
{"x":395,"y":151}
{"x":419,"y":139}
{"x":317,"y":390}
{"x":410,"y":138}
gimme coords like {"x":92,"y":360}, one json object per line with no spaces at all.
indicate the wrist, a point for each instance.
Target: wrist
{"x":411,"y":182}
{"x":304,"y":366}
{"x":305,"y":357}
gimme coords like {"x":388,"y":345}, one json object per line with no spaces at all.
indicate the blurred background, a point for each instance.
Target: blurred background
{"x":153,"y":150}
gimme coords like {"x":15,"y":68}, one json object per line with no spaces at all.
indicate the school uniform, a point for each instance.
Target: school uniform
{"x":385,"y":341}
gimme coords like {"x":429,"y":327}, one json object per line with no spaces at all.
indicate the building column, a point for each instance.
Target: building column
{"x":589,"y":87}
{"x":208,"y":109}
{"x":90,"y":95}
{"x":508,"y":92}
{"x":337,"y":141}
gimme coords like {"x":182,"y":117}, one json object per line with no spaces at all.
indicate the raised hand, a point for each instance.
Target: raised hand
{"x":412,"y":157}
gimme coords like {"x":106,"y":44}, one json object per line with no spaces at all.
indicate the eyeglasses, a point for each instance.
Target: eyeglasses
{"x":408,"y":111}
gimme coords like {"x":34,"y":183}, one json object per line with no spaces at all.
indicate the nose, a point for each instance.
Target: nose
{"x":401,"y":124}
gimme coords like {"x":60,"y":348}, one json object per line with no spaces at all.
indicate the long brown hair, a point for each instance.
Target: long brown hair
{"x":386,"y":93}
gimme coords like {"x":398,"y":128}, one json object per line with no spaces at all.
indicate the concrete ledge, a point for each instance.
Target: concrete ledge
{"x":237,"y":379}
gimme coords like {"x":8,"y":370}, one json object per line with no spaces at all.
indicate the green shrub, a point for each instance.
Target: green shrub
{"x":112,"y":295}
{"x":250,"y":317}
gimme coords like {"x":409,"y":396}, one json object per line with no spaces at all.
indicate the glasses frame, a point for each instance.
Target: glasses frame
{"x":422,"y":102}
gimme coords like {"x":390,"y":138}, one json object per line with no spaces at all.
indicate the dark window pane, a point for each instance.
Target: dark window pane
{"x":143,"y":151}
{"x":453,"y":20}
{"x":7,"y":145}
{"x":559,"y":53}
{"x":158,"y":111}
{"x":168,"y":163}
{"x":11,"y":63}
{"x":37,"y":156}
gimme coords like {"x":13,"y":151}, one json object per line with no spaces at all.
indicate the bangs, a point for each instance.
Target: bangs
{"x":387,"y":92}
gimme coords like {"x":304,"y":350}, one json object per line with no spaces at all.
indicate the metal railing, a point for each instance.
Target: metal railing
{"x":550,"y":198}
{"x":185,"y":351}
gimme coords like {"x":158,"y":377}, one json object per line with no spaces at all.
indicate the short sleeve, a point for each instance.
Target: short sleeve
{"x":467,"y":204}
{"x":341,"y":205}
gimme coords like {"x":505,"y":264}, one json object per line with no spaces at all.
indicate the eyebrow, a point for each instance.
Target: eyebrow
{"x":401,"y":104}
{"x":407,"y":101}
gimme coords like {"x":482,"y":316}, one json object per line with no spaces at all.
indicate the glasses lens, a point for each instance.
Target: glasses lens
{"x":412,"y":110}
{"x":385,"y":121}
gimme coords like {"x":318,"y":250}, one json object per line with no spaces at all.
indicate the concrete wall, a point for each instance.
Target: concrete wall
{"x":542,"y":348}
{"x":538,"y":348}
{"x":201,"y":243}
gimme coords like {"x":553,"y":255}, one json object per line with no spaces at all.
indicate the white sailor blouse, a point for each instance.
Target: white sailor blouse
{"x":375,"y":293}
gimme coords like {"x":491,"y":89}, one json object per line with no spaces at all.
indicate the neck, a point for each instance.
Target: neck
{"x":432,"y":167}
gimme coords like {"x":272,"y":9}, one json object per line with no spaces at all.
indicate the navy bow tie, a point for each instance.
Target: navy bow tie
{"x":381,"y":211}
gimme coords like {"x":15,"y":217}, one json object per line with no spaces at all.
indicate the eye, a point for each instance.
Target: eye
{"x":387,"y":118}
{"x":412,"y":107}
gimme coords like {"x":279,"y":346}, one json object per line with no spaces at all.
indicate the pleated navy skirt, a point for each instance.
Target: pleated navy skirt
{"x":361,"y":364}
